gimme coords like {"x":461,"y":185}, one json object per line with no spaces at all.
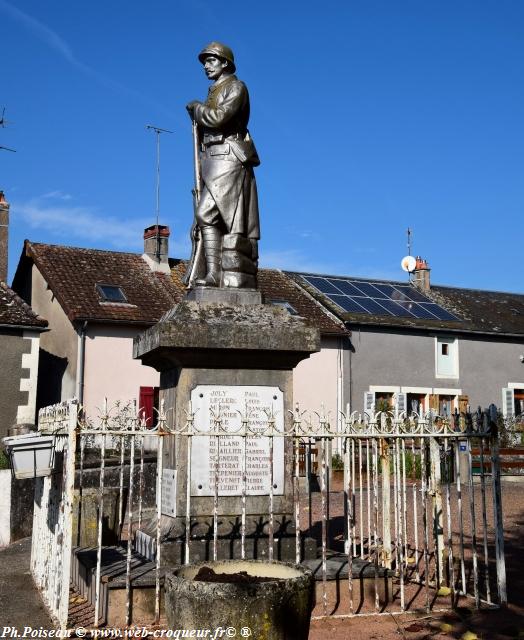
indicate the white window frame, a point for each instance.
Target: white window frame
{"x":511,"y":387}
{"x":454,"y":392}
{"x":454,"y":345}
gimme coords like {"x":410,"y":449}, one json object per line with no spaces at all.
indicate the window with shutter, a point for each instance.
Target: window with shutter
{"x":508,"y":402}
{"x":400,"y":402}
{"x":433,"y":402}
{"x":148,"y":402}
{"x":463,"y":404}
{"x":369,"y":402}
{"x":446,"y":358}
{"x":416,"y":403}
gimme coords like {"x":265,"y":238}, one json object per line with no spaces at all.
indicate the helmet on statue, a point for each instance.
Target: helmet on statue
{"x":220,"y":51}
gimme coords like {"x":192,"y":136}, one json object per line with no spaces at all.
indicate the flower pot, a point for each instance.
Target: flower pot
{"x":32,"y":456}
{"x":277,"y":609}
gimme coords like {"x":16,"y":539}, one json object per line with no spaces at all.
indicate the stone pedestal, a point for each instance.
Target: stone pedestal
{"x":226,"y":341}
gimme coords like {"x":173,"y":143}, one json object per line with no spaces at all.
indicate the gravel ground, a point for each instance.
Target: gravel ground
{"x":20,"y":602}
{"x":486,"y":623}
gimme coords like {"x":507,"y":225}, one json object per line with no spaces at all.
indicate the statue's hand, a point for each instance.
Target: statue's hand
{"x":191,"y":107}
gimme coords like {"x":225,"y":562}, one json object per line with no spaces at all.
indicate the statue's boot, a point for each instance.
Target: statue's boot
{"x":211,"y":237}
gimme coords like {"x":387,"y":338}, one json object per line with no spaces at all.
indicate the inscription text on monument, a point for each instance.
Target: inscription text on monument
{"x":232,"y":403}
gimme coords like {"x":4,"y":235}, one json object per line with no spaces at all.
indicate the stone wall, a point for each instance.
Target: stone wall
{"x":12,"y":347}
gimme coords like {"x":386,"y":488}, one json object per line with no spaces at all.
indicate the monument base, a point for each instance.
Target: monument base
{"x":227,"y":360}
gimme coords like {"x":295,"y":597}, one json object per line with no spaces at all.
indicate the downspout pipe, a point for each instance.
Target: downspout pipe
{"x":82,"y":332}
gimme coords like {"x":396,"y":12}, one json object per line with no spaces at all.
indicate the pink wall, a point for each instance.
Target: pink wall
{"x":110,"y":370}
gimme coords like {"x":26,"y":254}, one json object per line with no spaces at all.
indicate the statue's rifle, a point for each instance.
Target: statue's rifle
{"x":189,"y":276}
{"x":198,"y":171}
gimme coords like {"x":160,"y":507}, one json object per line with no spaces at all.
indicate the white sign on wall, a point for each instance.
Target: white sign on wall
{"x":168,"y":500}
{"x":233,"y":402}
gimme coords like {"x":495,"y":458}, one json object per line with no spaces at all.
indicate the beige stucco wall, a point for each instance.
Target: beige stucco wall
{"x":110,"y":370}
{"x":61,"y":339}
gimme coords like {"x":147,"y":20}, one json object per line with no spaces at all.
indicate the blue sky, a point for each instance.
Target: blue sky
{"x":369,"y":117}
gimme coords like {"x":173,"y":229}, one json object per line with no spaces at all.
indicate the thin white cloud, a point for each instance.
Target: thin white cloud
{"x":62,"y":48}
{"x":81,"y":225}
{"x":296,"y":260}
{"x":57,"y":195}
{"x":43,"y":33}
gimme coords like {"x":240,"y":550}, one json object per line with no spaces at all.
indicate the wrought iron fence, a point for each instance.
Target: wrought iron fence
{"x":409,"y":515}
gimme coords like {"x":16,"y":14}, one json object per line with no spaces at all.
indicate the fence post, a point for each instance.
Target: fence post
{"x":385,"y":461}
{"x":68,"y":492}
{"x":497,"y":508}
{"x":436,"y":492}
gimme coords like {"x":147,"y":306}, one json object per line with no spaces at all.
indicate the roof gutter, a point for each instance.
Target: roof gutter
{"x":24,"y":327}
{"x":133,"y":323}
{"x":432,"y":330}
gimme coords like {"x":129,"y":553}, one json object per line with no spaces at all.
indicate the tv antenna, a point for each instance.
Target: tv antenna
{"x":158,"y":131}
{"x":3,"y":123}
{"x":408,"y":263}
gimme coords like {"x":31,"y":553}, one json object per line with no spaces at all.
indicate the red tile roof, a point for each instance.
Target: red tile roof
{"x":276,"y":286}
{"x":73,"y":273}
{"x":14,"y":312}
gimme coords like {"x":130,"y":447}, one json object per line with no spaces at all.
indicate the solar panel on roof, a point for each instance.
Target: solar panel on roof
{"x":386,"y":289}
{"x":323,"y":285}
{"x":375,"y":307}
{"x":439,"y":311}
{"x":399,"y":300}
{"x":347,"y":303}
{"x":367,"y":289}
{"x":411,"y":293}
{"x":420,"y":311}
{"x":347,"y":288}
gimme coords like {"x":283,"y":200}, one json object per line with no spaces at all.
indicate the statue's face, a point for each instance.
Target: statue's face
{"x":214,"y":67}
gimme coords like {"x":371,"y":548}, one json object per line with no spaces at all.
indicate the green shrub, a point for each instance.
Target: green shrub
{"x":4,"y":460}
{"x":337,"y":464}
{"x":413,"y":463}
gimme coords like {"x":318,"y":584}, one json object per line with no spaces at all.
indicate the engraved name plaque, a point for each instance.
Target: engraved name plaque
{"x":168,"y":499}
{"x":227,"y":452}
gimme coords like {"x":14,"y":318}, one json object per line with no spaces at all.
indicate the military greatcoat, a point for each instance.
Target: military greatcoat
{"x":228,"y":156}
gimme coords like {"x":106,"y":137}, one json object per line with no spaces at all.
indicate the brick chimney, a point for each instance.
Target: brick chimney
{"x":4,"y":235}
{"x":156,"y":244}
{"x":421,"y":274}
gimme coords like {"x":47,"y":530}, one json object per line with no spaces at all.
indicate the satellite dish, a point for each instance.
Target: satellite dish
{"x":408,"y":264}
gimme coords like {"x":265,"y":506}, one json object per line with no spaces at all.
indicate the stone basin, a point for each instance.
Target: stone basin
{"x":278,"y":609}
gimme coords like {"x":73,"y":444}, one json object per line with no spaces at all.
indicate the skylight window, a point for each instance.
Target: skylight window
{"x":110,"y":293}
{"x":285,"y":305}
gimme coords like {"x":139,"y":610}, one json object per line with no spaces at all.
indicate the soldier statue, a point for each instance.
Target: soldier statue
{"x":226,"y":229}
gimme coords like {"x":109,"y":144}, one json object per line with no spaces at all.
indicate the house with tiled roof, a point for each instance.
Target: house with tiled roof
{"x":20,"y":332}
{"x":415,"y":346}
{"x":97,"y":301}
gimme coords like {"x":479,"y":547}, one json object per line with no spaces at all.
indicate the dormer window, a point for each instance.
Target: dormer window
{"x":111,"y":293}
